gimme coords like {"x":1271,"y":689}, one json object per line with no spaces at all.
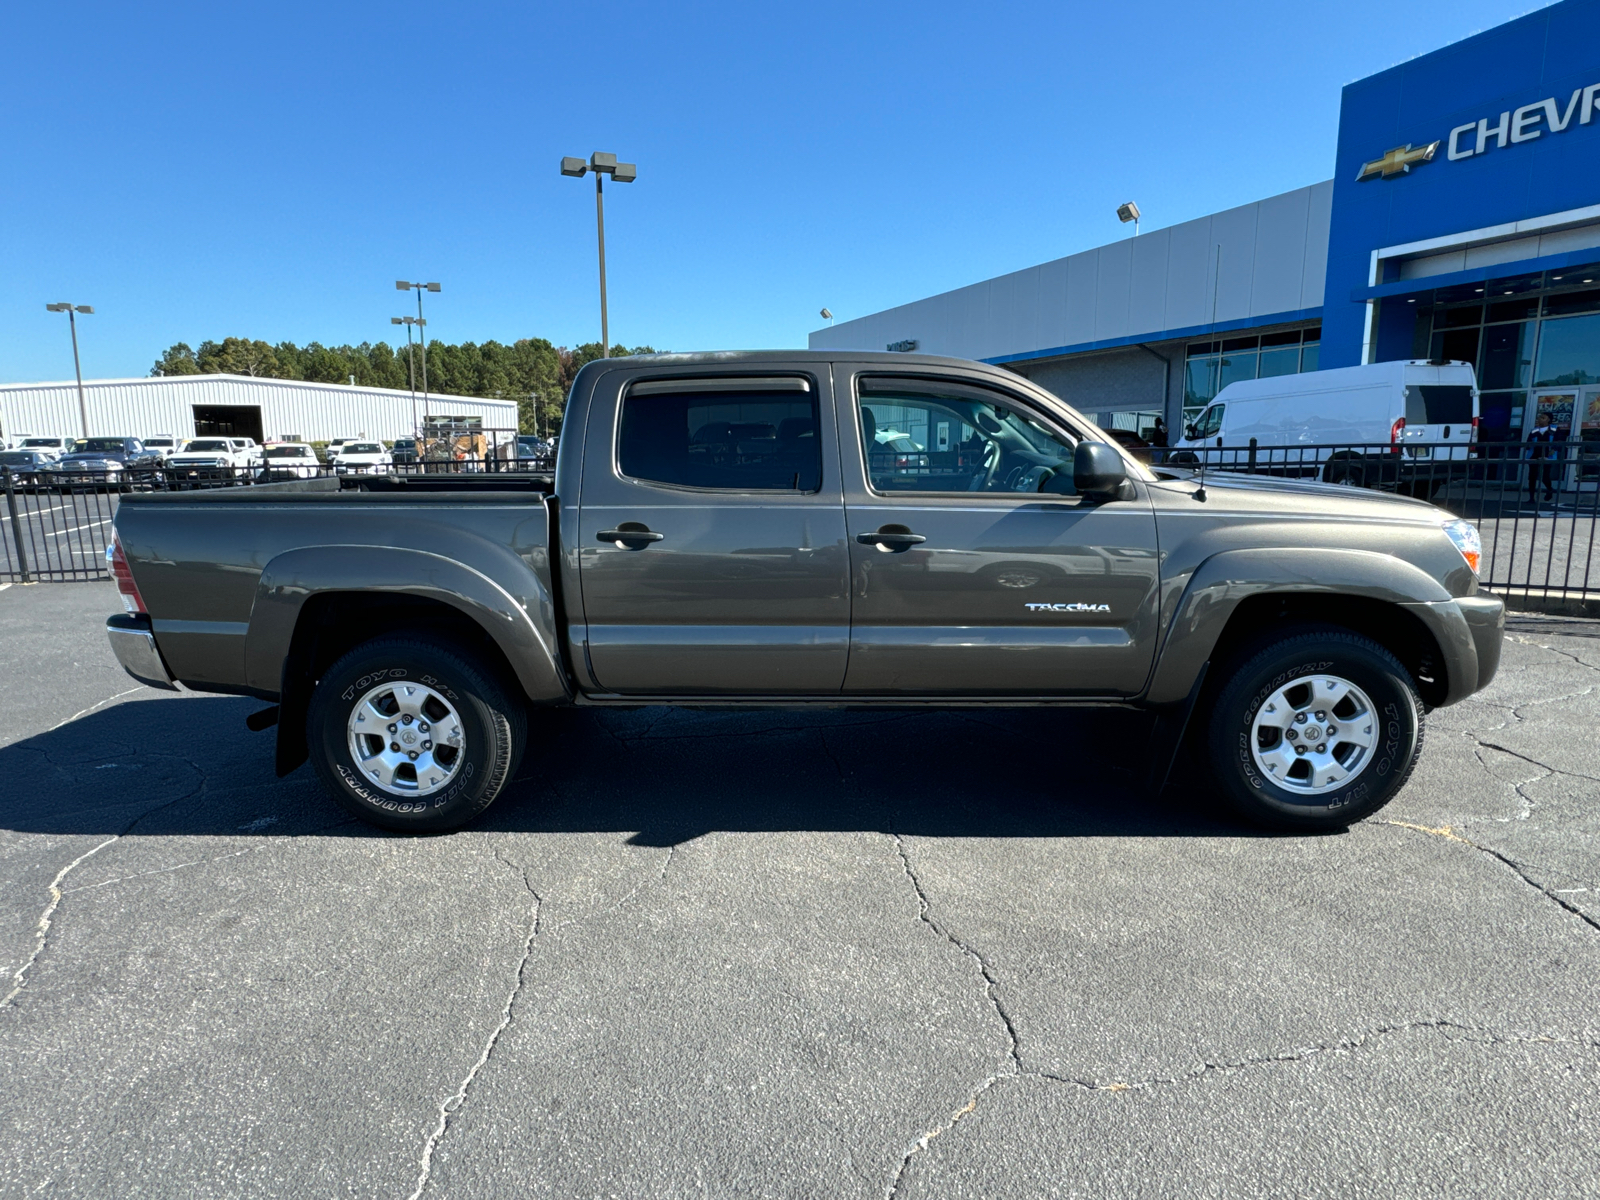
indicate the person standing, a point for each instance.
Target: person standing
{"x":1542,"y":453}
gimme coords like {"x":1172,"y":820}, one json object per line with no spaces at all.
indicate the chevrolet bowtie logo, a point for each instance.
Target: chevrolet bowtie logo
{"x":1398,"y":161}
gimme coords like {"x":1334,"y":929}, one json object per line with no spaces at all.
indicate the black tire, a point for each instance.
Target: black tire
{"x":493,"y":728}
{"x":1259,"y":674}
{"x":1345,"y":471}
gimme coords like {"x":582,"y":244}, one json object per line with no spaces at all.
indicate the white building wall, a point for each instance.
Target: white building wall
{"x":145,"y":407}
{"x":1274,"y":256}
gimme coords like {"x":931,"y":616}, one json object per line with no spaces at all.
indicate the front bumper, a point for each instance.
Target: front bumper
{"x":1486,"y":620}
{"x":135,"y":647}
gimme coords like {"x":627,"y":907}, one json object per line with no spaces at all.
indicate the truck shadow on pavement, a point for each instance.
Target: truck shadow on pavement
{"x":187,"y":766}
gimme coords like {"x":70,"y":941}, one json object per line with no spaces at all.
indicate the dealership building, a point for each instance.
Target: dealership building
{"x":1462,"y":222}
{"x":188,"y":406}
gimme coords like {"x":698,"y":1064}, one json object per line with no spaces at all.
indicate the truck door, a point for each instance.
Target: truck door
{"x":976,"y":568}
{"x":711,"y":537}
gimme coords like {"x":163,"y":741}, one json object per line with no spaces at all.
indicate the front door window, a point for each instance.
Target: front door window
{"x":919,"y":442}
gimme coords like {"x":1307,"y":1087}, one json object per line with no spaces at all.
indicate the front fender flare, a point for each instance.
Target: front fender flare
{"x":1220,"y":582}
{"x":293,"y":577}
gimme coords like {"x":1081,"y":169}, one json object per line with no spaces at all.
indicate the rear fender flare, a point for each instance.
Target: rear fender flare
{"x":1222,"y":581}
{"x":293,"y":577}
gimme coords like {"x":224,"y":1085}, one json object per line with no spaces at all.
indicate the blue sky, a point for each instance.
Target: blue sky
{"x":268,"y":171}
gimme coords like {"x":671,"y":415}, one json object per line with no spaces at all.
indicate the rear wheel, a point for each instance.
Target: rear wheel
{"x":1315,"y":731}
{"x":413,"y":736}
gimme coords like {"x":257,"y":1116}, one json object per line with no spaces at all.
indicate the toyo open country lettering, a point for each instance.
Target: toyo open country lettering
{"x":806,"y":528}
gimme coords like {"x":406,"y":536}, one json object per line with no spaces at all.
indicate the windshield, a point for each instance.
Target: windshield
{"x":159,"y":442}
{"x":17,"y":458}
{"x":288,"y":451}
{"x":42,"y":443}
{"x":101,"y":445}
{"x":362,"y":448}
{"x":209,"y":445}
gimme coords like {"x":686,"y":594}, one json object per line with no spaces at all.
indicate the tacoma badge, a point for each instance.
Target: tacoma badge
{"x":1075,"y":606}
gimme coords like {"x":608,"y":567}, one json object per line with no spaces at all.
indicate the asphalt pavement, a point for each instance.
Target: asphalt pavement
{"x":788,"y":954}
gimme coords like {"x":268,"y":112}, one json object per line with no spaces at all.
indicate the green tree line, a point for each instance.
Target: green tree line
{"x":531,"y":371}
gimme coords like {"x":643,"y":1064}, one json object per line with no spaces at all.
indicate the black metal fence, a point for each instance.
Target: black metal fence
{"x":1536,"y":507}
{"x":1537,"y":516}
{"x":57,"y":527}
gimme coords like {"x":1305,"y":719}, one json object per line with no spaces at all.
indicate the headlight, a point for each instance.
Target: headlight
{"x":1465,"y":536}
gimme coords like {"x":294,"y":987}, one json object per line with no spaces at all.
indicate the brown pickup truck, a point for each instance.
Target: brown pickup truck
{"x":813,"y":529}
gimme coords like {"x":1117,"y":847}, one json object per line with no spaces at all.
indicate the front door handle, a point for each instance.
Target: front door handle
{"x":630,"y":535}
{"x":891,"y":538}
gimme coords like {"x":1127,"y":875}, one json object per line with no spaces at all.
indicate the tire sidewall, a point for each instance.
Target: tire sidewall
{"x":1393,"y":755}
{"x":476,"y":701}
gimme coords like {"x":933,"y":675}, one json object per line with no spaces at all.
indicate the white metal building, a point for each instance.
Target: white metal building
{"x":237,"y":405}
{"x":1113,"y":330}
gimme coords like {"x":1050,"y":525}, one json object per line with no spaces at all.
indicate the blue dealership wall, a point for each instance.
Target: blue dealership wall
{"x":1550,"y":53}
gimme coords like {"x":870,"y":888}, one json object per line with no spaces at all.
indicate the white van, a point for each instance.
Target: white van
{"x":1391,"y":414}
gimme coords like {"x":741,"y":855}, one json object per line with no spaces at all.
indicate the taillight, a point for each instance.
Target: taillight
{"x":1396,"y":430}
{"x":1474,"y":434}
{"x":131,"y":600}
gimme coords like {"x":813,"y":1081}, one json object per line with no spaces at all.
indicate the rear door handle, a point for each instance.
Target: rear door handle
{"x":630,"y":535}
{"x":890,"y":539}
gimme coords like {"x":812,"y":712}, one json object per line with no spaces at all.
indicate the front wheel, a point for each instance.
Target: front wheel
{"x":413,"y":736}
{"x":1316,"y":731}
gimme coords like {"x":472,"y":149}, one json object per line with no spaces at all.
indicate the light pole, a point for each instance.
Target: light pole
{"x":400,"y":285}
{"x":411,"y":362}
{"x":72,"y":320}
{"x":827,"y":316}
{"x":601,"y":164}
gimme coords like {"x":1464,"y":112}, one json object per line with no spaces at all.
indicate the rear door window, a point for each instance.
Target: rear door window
{"x":746,"y":439}
{"x":1446,"y":404}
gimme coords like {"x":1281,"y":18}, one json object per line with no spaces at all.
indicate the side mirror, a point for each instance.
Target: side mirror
{"x":1191,"y":431}
{"x":1098,"y":472}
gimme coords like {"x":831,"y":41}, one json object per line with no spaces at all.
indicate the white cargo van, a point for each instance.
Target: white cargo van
{"x":1376,"y":423}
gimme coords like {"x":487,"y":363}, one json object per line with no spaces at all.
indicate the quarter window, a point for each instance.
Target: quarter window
{"x":725,"y":440}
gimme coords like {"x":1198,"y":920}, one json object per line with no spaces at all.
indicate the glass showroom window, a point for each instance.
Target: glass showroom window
{"x":1520,"y":332}
{"x":1211,"y":366}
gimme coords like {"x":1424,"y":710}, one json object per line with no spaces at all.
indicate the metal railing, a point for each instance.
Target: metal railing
{"x":57,"y":524}
{"x":1537,"y":516}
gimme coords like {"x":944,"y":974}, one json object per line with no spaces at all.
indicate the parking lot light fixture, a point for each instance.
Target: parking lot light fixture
{"x":601,"y":165}
{"x":72,"y":321}
{"x":1129,"y":212}
{"x":402,"y":285}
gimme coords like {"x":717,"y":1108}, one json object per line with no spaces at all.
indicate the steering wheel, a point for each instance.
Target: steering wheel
{"x":991,"y":467}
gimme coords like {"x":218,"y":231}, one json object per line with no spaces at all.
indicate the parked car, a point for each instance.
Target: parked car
{"x":164,"y":444}
{"x":1389,"y":424}
{"x":288,"y":460}
{"x":105,"y":461}
{"x":55,"y":447}
{"x":533,"y":453}
{"x":407,"y":628}
{"x":25,"y":467}
{"x":362,"y":458}
{"x":207,"y":460}
{"x":247,"y":450}
{"x":332,"y":449}
{"x":404,"y":450}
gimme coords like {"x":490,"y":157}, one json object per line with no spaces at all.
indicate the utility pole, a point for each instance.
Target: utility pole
{"x":601,"y":164}
{"x":72,"y":320}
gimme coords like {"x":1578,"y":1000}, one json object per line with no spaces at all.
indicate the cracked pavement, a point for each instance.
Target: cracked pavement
{"x":780,"y":954}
